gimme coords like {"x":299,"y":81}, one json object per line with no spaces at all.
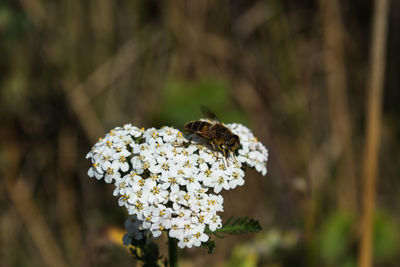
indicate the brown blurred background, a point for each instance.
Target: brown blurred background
{"x":299,"y":73}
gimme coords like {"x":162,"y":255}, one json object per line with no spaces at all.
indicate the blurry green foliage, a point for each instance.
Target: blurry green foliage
{"x":273,"y":247}
{"x":335,"y":237}
{"x":386,"y":237}
{"x":13,"y":23}
{"x":350,"y":262}
{"x":243,"y":257}
{"x":337,"y":241}
{"x":181,"y":101}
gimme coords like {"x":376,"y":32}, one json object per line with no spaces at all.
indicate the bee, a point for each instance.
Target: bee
{"x":220,"y":137}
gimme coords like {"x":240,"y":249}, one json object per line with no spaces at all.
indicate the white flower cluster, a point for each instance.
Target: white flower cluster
{"x":164,"y":179}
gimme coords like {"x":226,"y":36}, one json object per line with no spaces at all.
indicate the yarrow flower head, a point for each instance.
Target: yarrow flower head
{"x":171,"y":182}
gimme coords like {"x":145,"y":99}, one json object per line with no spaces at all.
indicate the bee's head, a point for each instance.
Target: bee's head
{"x":233,"y":142}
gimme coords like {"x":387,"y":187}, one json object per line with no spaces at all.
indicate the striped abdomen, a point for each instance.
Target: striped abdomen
{"x":199,"y":127}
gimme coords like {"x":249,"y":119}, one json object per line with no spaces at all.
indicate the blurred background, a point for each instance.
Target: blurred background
{"x":296,"y":72}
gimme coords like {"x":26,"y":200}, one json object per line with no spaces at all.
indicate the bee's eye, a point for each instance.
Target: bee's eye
{"x":232,"y":141}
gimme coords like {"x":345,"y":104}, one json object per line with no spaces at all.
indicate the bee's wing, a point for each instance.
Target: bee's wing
{"x":209,"y":114}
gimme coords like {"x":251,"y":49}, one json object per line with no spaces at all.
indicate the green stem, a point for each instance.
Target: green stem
{"x":173,"y":251}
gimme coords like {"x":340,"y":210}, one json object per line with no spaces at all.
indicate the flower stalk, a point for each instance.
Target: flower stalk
{"x":173,"y":252}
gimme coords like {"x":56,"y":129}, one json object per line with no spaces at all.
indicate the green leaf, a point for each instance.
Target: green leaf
{"x":209,"y":245}
{"x":241,"y":225}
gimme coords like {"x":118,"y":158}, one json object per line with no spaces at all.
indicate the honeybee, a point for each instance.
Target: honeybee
{"x":220,"y":137}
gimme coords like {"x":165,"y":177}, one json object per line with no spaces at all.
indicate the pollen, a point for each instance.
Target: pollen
{"x":146,"y":165}
{"x":155,"y":190}
{"x":208,"y":172}
{"x":154,"y":176}
{"x":141,"y":182}
{"x":139,"y":205}
{"x":124,"y":198}
{"x":165,"y":166}
{"x":110,"y":170}
{"x":187,"y":164}
{"x":201,"y":218}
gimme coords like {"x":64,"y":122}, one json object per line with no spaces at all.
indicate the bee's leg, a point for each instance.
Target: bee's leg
{"x":184,"y":144}
{"x":226,"y":158}
{"x":233,"y":156}
{"x":215,"y":149}
{"x":190,"y":140}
